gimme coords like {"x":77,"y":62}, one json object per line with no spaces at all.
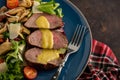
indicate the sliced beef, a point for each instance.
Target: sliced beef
{"x":31,"y":58}
{"x":35,"y":38}
{"x":54,"y":20}
{"x":59,"y":39}
{"x":31,"y":54}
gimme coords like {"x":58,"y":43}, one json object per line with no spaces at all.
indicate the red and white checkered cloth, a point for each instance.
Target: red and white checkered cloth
{"x":102,"y":65}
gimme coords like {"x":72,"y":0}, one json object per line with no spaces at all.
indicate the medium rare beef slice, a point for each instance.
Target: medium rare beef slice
{"x":43,"y":20}
{"x":48,"y":39}
{"x":43,"y":58}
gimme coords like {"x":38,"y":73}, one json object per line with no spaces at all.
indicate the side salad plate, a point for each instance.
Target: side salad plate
{"x":77,"y":62}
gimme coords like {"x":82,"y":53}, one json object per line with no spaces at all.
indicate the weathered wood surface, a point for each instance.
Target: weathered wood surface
{"x":104,"y":19}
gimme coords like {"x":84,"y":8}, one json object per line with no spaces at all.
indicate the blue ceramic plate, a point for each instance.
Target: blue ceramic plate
{"x":77,"y":62}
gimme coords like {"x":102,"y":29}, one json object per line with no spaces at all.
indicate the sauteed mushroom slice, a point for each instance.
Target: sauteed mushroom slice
{"x":5,"y":47}
{"x":25,"y":13}
{"x":26,"y":3}
{"x":4,"y":28}
{"x":3,"y":9}
{"x":15,"y":10}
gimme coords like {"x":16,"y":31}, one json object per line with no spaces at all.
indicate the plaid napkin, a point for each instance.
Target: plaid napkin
{"x":102,"y":65}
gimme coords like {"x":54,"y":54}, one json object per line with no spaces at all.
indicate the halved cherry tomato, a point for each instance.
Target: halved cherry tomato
{"x":30,"y":72}
{"x":12,"y":3}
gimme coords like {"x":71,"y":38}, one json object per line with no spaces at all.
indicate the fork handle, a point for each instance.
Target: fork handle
{"x":57,"y":73}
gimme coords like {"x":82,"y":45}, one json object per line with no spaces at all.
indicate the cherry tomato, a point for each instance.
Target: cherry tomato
{"x":12,"y":3}
{"x":30,"y":72}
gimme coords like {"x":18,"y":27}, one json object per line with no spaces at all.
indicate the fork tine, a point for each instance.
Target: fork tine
{"x":78,"y":31}
{"x":81,"y":35}
{"x":75,"y":32}
{"x":78,"y":35}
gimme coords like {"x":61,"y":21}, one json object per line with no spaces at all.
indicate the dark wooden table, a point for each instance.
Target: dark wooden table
{"x":104,"y":19}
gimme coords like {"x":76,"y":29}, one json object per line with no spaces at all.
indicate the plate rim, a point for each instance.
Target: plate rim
{"x":87,"y":24}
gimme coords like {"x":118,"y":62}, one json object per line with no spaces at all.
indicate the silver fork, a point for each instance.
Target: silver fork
{"x":73,"y":47}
